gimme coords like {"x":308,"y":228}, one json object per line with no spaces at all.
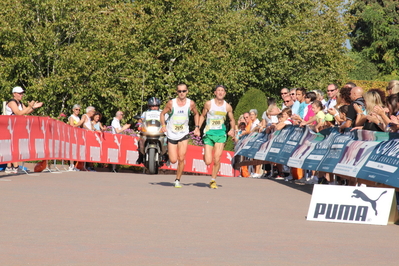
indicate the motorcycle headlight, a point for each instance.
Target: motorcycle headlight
{"x":152,"y":129}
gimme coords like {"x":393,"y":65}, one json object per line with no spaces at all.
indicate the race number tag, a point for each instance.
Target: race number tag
{"x":216,"y":124}
{"x":178,"y":128}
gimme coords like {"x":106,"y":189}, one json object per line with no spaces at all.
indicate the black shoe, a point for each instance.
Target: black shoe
{"x":140,"y":159}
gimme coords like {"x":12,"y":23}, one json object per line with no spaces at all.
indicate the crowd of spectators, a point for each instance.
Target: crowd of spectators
{"x":91,"y":120}
{"x":346,"y":107}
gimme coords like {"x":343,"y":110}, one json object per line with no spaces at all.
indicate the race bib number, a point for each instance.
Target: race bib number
{"x":178,"y":128}
{"x":216,"y":124}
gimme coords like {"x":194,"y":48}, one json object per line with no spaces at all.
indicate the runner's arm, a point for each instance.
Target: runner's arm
{"x":167,"y":109}
{"x":207,"y":106}
{"x":232,"y":121}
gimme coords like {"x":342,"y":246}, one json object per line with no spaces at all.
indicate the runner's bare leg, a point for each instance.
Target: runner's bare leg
{"x":181,"y":155}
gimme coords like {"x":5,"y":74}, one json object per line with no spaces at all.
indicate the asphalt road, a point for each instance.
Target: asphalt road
{"x":93,"y":218}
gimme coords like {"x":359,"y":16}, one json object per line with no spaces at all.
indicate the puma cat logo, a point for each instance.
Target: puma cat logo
{"x":359,"y":194}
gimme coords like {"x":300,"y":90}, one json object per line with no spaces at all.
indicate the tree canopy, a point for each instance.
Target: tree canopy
{"x":115,"y":54}
{"x":375,"y":34}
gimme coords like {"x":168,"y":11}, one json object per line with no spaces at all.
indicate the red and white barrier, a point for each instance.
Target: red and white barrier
{"x":28,"y":138}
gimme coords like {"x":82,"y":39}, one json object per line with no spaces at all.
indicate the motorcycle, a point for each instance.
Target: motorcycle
{"x":152,"y":143}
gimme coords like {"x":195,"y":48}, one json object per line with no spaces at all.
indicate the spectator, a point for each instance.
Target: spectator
{"x":343,"y":111}
{"x":344,"y":98}
{"x":369,"y":119}
{"x":332,"y":91}
{"x":300,"y":96}
{"x":270,"y":115}
{"x":284,"y":92}
{"x":74,"y":119}
{"x":295,"y":106}
{"x":288,"y":102}
{"x":293,"y":94}
{"x":309,"y":99}
{"x":393,"y":87}
{"x":241,"y":128}
{"x":15,"y":107}
{"x":320,"y":97}
{"x":117,"y":129}
{"x":239,"y":121}
{"x":284,"y":119}
{"x":97,"y":126}
{"x":253,"y":115}
{"x":356,"y":97}
{"x":85,"y":121}
{"x":116,"y":126}
{"x":318,"y":117}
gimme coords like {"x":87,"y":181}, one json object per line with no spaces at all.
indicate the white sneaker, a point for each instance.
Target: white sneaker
{"x":279,"y":178}
{"x":289,"y":178}
{"x":255,"y":175}
{"x":177,"y":184}
{"x":313,"y":180}
{"x":8,"y":170}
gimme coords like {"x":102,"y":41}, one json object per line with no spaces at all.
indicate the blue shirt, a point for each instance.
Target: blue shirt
{"x":301,"y":110}
{"x":295,"y":107}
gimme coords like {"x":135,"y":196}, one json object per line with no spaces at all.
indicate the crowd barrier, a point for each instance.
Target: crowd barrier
{"x":369,"y":155}
{"x":30,"y":138}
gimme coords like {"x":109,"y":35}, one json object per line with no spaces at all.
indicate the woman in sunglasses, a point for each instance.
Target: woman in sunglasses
{"x":74,"y":119}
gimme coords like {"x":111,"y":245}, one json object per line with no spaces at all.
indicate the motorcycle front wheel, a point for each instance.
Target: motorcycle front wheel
{"x":152,"y":163}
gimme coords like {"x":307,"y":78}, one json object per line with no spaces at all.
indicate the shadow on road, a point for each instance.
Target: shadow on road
{"x":171,"y":184}
{"x":295,"y":185}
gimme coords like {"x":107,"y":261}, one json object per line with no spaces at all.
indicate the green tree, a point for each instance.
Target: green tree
{"x":375,"y":34}
{"x":115,"y":54}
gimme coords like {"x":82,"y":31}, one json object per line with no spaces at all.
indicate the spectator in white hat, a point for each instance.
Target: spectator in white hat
{"x":15,"y":107}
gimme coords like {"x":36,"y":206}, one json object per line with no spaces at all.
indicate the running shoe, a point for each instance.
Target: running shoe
{"x":15,"y":170}
{"x":289,"y":178}
{"x":8,"y":170}
{"x":313,"y":180}
{"x":212,"y":184}
{"x":177,"y":184}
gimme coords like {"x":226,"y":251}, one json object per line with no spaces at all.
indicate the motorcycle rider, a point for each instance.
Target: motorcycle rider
{"x":153,"y":105}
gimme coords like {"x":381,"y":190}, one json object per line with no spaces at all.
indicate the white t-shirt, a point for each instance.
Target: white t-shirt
{"x":115,"y":125}
{"x":255,"y":123}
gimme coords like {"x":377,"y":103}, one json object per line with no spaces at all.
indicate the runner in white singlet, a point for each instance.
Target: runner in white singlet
{"x":177,"y":128}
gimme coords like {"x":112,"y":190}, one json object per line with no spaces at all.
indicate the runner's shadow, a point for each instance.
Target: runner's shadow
{"x":165,"y":184}
{"x":206,"y":185}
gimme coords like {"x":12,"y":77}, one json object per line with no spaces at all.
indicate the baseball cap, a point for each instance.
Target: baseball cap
{"x":17,"y":90}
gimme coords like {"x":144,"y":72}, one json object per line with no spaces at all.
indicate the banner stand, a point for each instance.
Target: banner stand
{"x":393,"y":214}
{"x":360,"y":205}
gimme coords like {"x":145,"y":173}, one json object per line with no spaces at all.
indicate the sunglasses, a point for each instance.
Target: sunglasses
{"x":20,"y":93}
{"x":292,"y":93}
{"x":284,"y":93}
{"x":183,"y":91}
{"x":77,"y":109}
{"x":287,"y":101}
{"x":330,"y":90}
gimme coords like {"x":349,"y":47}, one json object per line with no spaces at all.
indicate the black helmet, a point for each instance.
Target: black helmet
{"x":154,"y":102}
